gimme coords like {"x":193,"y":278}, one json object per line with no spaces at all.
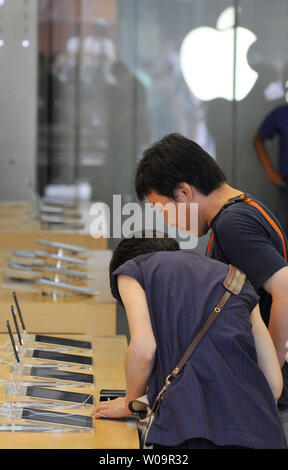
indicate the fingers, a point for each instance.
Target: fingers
{"x":112,"y":409}
{"x":100,"y":410}
{"x":105,"y":410}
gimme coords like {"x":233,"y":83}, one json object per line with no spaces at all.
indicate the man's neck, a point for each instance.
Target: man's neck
{"x":214,"y":202}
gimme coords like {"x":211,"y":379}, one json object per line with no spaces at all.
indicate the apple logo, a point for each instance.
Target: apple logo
{"x":207,"y":60}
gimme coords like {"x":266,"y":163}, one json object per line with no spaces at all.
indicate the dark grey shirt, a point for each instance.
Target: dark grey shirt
{"x":244,"y":238}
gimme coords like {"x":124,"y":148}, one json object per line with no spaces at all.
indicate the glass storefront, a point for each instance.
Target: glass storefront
{"x":117,"y":75}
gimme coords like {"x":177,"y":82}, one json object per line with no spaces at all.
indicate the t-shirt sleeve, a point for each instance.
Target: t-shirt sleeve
{"x":249,"y":296}
{"x":247,"y":246}
{"x":130,"y":268}
{"x":268,"y":128}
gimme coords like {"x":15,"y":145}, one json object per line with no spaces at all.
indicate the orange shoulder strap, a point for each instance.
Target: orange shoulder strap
{"x":267,"y":217}
{"x":210,"y":244}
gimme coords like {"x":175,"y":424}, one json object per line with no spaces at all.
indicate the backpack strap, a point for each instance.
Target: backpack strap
{"x":246,"y":200}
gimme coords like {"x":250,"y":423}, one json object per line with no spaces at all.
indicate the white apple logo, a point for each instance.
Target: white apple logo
{"x":207,"y":58}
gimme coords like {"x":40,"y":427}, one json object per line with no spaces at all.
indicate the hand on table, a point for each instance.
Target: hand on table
{"x":117,"y":408}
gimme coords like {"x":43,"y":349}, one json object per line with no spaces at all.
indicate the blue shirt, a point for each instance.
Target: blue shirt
{"x":221,"y":394}
{"x":276,"y":123}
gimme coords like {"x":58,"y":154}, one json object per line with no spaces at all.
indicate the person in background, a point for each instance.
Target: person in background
{"x":225,"y":396}
{"x":244,"y":233}
{"x":274,"y":125}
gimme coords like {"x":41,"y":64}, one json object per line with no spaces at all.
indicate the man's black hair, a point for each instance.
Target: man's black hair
{"x":139,"y":244}
{"x":174,"y":160}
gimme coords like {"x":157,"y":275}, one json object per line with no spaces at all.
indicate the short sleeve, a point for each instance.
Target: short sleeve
{"x":250,"y":295}
{"x":130,"y":268}
{"x":268,"y":128}
{"x":246,"y":245}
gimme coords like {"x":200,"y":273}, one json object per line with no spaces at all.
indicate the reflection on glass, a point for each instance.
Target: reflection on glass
{"x":111,"y":82}
{"x":207,"y":60}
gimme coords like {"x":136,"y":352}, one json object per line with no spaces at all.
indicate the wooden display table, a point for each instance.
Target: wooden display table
{"x":109,"y":354}
{"x":95,"y":315}
{"x":18,"y":228}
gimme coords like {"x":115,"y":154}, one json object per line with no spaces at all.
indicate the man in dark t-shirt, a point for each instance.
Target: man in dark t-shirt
{"x":243,"y":236}
{"x":244,"y":233}
{"x":249,"y":245}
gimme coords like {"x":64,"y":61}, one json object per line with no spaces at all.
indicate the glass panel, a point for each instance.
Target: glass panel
{"x":268,"y":57}
{"x":116,"y":75}
{"x":57,"y":112}
{"x":151,"y":43}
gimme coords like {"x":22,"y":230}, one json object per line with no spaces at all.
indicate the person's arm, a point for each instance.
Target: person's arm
{"x":277,"y":286}
{"x":140,"y":355}
{"x":273,"y":175}
{"x":266,"y":354}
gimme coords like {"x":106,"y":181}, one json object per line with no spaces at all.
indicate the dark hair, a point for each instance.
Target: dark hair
{"x":174,"y":160}
{"x":139,"y":244}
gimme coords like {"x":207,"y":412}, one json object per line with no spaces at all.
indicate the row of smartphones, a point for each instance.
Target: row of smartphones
{"x":46,"y":416}
{"x":42,"y":255}
{"x":64,"y":419}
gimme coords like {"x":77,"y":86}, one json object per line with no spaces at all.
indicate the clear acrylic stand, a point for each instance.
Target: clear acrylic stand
{"x":13,"y":422}
{"x":33,"y":428}
{"x":38,"y":382}
{"x":27,"y":412}
{"x":57,"y":289}
{"x":26,"y":349}
{"x":30,"y":341}
{"x":19,"y":372}
{"x":77,"y":421}
{"x":52,"y":362}
{"x":53,"y":398}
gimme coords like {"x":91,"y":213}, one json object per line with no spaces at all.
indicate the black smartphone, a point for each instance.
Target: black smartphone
{"x":56,"y":356}
{"x":59,"y":395}
{"x":54,"y":417}
{"x":45,"y":372}
{"x":111,"y":394}
{"x":63,"y":341}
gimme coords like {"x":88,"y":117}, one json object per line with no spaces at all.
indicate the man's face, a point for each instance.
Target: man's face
{"x":180,"y":212}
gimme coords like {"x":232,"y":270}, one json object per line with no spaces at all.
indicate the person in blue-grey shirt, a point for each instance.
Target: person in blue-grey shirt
{"x":225,"y":395}
{"x":274,"y":125}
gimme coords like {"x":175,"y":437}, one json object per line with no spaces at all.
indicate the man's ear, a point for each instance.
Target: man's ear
{"x":184,"y":193}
